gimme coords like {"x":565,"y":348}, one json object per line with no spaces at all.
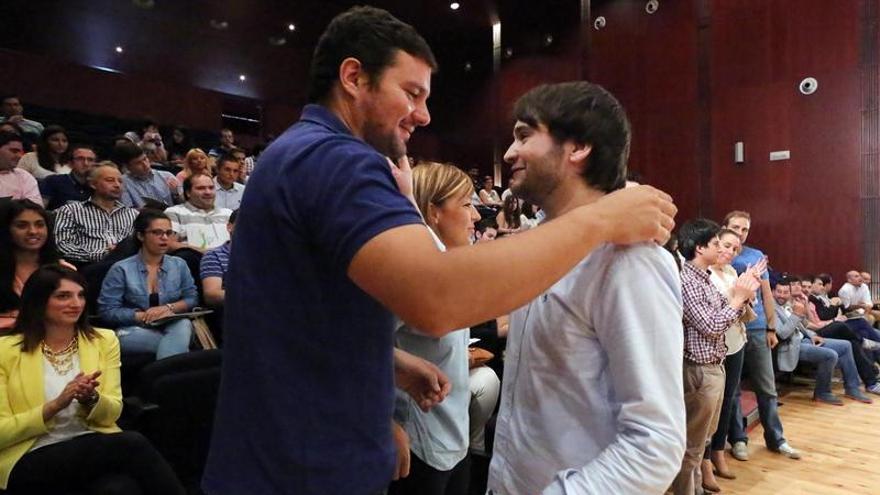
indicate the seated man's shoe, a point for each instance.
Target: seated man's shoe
{"x":874,"y":389}
{"x":788,"y":451}
{"x":858,"y":396}
{"x":828,"y":398}
{"x":870,"y":345}
{"x":740,"y":451}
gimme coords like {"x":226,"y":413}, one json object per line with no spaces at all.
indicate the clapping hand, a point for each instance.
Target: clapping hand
{"x":88,"y":385}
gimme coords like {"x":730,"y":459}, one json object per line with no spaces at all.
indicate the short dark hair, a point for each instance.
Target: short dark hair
{"x":585,"y":113}
{"x":792,"y":278}
{"x":226,"y":157}
{"x":809,"y":277}
{"x":370,"y":35}
{"x":824,"y":277}
{"x":9,"y":96}
{"x":142,"y":223}
{"x":124,"y":153}
{"x":31,"y":321}
{"x":7,"y":137}
{"x":80,"y":146}
{"x":784,"y":281}
{"x":696,"y":233}
{"x":188,"y":183}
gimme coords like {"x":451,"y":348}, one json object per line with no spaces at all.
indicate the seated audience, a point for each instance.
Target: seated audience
{"x":51,"y":154}
{"x":61,"y":400}
{"x":855,"y":297}
{"x":798,"y":344}
{"x":724,"y":277}
{"x":12,"y":112}
{"x":438,"y":439}
{"x":866,"y":280}
{"x":198,"y":223}
{"x":488,"y":195}
{"x":246,"y":162}
{"x":15,"y":183}
{"x":147,"y":287}
{"x":26,"y":243}
{"x":195,"y":162}
{"x":60,"y":189}
{"x":142,"y":183}
{"x":151,"y":143}
{"x":213,"y":268}
{"x":180,"y":142}
{"x":89,"y":230}
{"x":509,"y":219}
{"x":830,"y":309}
{"x":227,"y":144}
{"x":707,"y":315}
{"x":226,"y":188}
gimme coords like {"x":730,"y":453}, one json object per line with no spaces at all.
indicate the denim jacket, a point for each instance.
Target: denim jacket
{"x":124,"y":291}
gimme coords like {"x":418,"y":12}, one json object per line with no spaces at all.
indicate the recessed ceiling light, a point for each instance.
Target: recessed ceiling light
{"x":218,"y":24}
{"x":144,"y":4}
{"x":119,"y":49}
{"x":291,"y":27}
{"x":277,"y":40}
{"x":454,"y":5}
{"x":242,"y":77}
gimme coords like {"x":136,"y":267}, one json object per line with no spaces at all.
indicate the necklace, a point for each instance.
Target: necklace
{"x":61,"y":361}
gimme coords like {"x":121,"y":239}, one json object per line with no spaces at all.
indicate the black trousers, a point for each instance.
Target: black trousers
{"x":838,"y":330}
{"x":96,"y":463}
{"x":425,"y":480}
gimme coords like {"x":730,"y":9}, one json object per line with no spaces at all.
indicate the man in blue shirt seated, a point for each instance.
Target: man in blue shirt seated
{"x":213,"y":267}
{"x":60,"y":189}
{"x":329,"y":246}
{"x":143,"y":184}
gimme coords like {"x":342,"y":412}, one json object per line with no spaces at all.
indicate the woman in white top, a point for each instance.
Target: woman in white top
{"x":51,"y":154}
{"x":724,"y":277}
{"x":439,"y":439}
{"x":488,"y":194}
{"x":60,"y":397}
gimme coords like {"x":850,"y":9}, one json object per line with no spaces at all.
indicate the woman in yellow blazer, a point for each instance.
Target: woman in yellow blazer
{"x":60,"y":397}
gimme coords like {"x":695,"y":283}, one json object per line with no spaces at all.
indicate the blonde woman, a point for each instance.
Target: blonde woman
{"x":439,"y":439}
{"x":195,"y":162}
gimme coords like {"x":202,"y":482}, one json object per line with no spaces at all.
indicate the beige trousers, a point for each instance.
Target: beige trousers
{"x":703,"y":393}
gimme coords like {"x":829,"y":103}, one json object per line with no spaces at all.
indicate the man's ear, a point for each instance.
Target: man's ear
{"x":351,"y":76}
{"x":578,"y":154}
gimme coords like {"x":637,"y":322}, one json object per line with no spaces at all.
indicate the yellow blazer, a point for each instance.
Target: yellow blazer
{"x":22,"y":394}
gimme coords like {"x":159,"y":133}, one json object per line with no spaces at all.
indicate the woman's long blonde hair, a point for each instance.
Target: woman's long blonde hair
{"x":190,"y":155}
{"x":434,"y":183}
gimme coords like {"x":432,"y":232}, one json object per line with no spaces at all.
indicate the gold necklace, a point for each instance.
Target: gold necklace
{"x":61,"y":361}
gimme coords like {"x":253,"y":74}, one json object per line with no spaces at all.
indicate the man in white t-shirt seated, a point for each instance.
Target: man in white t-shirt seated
{"x":198,"y":223}
{"x":855,"y":297}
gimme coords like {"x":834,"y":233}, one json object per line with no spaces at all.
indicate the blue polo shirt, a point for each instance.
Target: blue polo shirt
{"x":307,"y":389}
{"x":62,"y":189}
{"x":750,"y":257}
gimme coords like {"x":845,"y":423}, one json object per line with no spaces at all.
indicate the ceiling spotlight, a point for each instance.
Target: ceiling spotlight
{"x":468,"y":66}
{"x":291,"y":27}
{"x":144,"y":4}
{"x":508,"y":52}
{"x":599,"y":23}
{"x":119,"y":49}
{"x":218,"y":24}
{"x":652,"y":6}
{"x":277,"y":40}
{"x":454,"y":5}
{"x":242,"y":77}
{"x":547,"y":40}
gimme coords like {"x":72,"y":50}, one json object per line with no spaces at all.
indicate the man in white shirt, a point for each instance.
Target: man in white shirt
{"x":199,"y":224}
{"x":592,"y":398}
{"x":855,"y":297}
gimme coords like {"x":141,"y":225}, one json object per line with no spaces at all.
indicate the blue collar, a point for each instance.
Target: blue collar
{"x":321,"y":115}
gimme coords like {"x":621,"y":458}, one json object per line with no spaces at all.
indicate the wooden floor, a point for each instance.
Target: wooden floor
{"x":840,"y":448}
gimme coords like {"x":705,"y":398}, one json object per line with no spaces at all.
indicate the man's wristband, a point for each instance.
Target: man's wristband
{"x":170,"y":307}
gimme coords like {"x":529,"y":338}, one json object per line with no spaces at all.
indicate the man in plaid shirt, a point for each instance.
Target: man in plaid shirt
{"x":706,"y":316}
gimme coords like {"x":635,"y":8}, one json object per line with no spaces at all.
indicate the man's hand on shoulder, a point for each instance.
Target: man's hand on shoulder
{"x":635,"y":214}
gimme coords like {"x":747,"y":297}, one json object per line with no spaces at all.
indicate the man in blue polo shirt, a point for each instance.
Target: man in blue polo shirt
{"x":60,"y":189}
{"x":761,"y":333}
{"x":329,"y":245}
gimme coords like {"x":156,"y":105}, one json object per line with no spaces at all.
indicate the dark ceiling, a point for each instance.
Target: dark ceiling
{"x":174,"y":40}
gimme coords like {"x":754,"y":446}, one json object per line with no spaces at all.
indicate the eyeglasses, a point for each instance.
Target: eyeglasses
{"x":160,"y":232}
{"x":83,"y":159}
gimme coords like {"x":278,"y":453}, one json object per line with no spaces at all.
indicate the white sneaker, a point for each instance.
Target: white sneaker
{"x":788,"y":451}
{"x":740,"y":451}
{"x":870,"y":345}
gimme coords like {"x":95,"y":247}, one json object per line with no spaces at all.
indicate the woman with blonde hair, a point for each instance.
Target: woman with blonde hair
{"x":195,"y":162}
{"x":439,"y":439}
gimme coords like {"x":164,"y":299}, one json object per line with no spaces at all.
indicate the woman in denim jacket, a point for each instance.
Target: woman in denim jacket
{"x":147,"y":287}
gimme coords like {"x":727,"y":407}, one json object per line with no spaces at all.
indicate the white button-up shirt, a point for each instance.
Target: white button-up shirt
{"x":592,"y":399}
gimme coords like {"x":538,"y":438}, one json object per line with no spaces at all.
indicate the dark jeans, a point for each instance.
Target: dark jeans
{"x":425,"y":480}
{"x":838,"y":330}
{"x":102,"y":464}
{"x":759,"y":363}
{"x":733,"y":365}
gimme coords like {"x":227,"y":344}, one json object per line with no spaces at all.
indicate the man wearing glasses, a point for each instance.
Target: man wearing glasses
{"x":60,"y":189}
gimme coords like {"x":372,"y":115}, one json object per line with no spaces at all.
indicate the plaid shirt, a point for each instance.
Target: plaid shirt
{"x":706,"y":317}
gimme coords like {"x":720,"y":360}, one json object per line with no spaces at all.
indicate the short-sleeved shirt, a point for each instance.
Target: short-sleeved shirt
{"x":154,"y":186}
{"x":750,"y":257}
{"x":215,"y":262}
{"x":18,"y":184}
{"x":307,"y":390}
{"x":61,"y":189}
{"x":204,"y":229}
